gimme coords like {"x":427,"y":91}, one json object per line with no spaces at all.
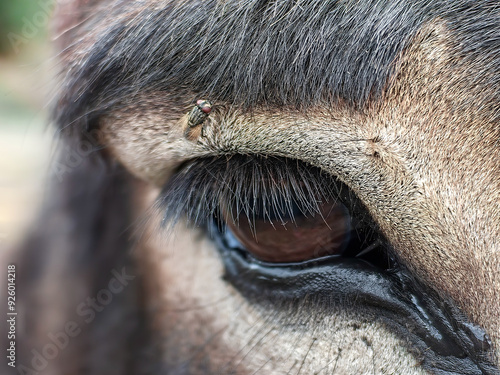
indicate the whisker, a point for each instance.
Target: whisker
{"x":370,"y":248}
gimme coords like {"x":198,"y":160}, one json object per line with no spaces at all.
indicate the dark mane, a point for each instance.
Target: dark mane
{"x":271,"y":53}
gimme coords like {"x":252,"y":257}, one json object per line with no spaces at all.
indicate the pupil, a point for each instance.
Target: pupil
{"x":283,"y":233}
{"x":281,"y":210}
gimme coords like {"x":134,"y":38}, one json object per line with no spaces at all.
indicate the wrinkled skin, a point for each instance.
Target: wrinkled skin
{"x":419,"y":149}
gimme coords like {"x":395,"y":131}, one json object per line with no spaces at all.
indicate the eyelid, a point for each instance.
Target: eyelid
{"x":200,"y":185}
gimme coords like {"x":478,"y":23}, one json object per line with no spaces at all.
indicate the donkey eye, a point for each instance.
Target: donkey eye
{"x":282,"y":233}
{"x":273,"y":210}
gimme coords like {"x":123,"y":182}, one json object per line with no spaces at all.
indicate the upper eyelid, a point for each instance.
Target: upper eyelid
{"x":199,"y":187}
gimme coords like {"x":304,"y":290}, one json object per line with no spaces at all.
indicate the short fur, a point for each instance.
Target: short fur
{"x":398,"y":100}
{"x":251,"y":53}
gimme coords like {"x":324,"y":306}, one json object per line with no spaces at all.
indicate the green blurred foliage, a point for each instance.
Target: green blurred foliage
{"x":22,"y":22}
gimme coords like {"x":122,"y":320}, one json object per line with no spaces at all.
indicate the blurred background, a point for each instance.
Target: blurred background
{"x":27,"y":69}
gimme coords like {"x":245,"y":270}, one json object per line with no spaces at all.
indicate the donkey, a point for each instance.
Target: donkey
{"x":269,"y":187}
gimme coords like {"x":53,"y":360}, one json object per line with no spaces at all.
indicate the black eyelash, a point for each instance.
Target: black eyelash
{"x":248,"y":184}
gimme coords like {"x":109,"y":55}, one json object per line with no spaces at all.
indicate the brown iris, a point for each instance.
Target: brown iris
{"x":291,"y":236}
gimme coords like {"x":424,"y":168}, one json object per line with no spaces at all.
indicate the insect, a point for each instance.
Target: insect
{"x":199,"y":113}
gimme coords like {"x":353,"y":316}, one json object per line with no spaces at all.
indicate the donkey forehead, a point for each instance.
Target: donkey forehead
{"x":250,"y":54}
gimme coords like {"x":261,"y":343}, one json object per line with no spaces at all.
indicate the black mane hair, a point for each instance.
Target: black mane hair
{"x":262,"y":52}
